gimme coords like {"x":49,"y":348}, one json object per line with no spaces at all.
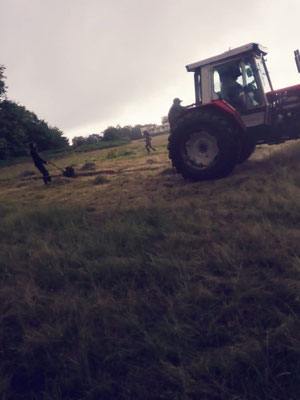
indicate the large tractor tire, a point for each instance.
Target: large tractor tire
{"x":204,"y":146}
{"x":248,"y":145}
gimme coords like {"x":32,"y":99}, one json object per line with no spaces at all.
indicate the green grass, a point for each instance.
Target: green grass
{"x":64,"y":152}
{"x":150,"y":287}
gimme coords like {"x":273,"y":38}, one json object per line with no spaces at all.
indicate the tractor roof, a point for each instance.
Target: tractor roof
{"x":251,"y":47}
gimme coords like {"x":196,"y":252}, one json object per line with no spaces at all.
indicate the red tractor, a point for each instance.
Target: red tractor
{"x":236,"y":108}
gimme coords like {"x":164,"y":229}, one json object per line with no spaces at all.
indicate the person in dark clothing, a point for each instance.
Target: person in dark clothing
{"x":175,"y":111}
{"x":39,"y":163}
{"x":148,"y":141}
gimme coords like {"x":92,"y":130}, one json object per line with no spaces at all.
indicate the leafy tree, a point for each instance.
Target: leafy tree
{"x":118,"y":132}
{"x":111,"y":133}
{"x":4,"y":148}
{"x":2,"y":83}
{"x":18,"y":127}
{"x":164,"y":119}
{"x":94,"y":138}
{"x":91,"y":139}
{"x":125,"y":132}
{"x":78,"y":141}
{"x":131,"y":132}
{"x":136,"y":132}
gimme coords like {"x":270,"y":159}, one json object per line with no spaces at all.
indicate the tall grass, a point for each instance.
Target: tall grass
{"x":195,"y":296}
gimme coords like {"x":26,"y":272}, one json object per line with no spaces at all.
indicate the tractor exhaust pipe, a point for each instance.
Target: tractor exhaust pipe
{"x":297,"y":59}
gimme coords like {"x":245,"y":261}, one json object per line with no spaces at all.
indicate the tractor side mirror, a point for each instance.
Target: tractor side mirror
{"x":297,"y":59}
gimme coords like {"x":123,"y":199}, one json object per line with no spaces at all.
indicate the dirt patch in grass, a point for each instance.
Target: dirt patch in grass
{"x":27,"y":173}
{"x":88,"y":166}
{"x":60,"y":181}
{"x":100,"y":180}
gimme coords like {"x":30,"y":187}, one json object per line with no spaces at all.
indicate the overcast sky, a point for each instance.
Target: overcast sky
{"x":82,"y":65}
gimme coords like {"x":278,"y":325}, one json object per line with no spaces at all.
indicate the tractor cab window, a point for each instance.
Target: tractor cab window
{"x":236,"y":83}
{"x":228,"y":83}
{"x":217,"y":82}
{"x":252,"y":93}
{"x":198,"y":90}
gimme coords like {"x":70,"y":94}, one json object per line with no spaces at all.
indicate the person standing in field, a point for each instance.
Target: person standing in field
{"x":175,"y":111}
{"x":39,"y":163}
{"x":148,"y":140}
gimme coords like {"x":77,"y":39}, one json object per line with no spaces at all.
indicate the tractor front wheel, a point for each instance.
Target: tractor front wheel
{"x":205,"y":147}
{"x":248,"y":145}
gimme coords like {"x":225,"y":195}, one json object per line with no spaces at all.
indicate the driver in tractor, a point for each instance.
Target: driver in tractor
{"x":231,"y":90}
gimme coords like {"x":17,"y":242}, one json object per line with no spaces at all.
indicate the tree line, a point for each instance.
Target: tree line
{"x":110,"y":133}
{"x":19,"y":127}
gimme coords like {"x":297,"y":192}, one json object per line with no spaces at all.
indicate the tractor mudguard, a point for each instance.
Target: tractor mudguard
{"x":221,"y":108}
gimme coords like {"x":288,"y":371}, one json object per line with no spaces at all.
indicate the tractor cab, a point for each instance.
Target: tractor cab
{"x":239,"y":77}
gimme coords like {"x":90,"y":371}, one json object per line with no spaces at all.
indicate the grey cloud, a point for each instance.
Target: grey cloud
{"x":79,"y":62}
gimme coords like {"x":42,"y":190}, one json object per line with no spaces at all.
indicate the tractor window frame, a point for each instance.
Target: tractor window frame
{"x":263,"y":74}
{"x":254,"y":98}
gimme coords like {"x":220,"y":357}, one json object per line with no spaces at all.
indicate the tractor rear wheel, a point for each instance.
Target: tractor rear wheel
{"x":206,"y":146}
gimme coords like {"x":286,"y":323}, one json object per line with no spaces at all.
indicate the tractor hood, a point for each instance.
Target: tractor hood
{"x":289,"y":91}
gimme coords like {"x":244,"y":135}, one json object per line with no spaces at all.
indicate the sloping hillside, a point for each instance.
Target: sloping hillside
{"x":140,"y":285}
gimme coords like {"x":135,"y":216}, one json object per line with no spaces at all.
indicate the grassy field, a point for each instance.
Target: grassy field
{"x":64,"y":152}
{"x":140,"y":285}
